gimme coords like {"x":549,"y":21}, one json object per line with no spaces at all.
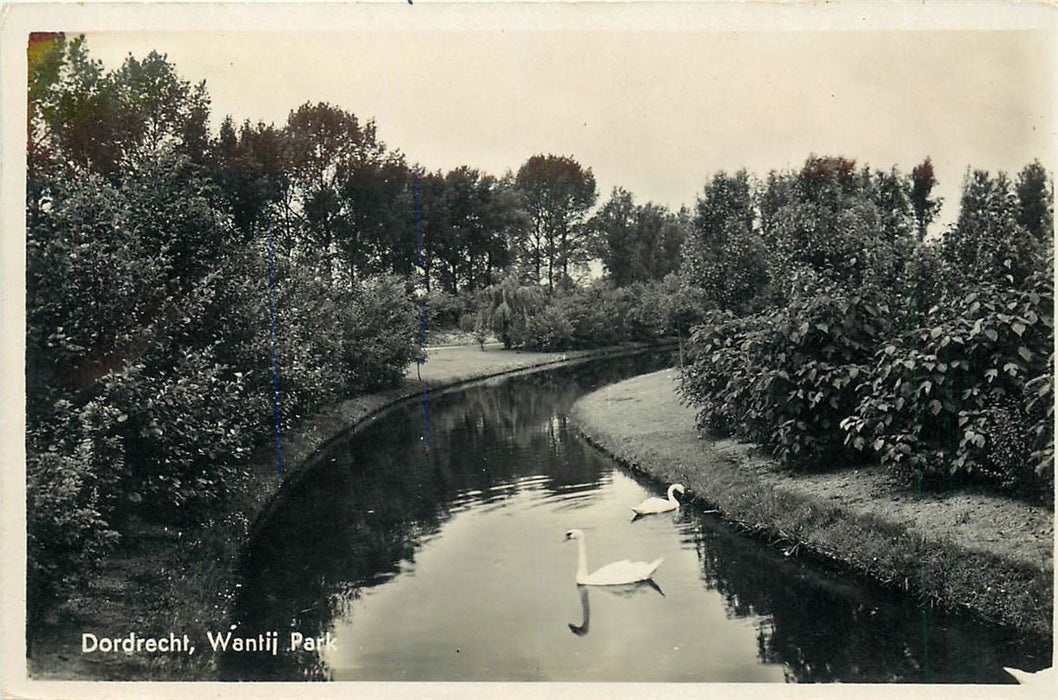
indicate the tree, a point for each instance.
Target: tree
{"x":506,"y":309}
{"x":891,"y":193}
{"x":925,"y":207}
{"x":724,"y":253}
{"x":250,"y":169}
{"x":636,"y":243}
{"x":614,"y":224}
{"x":1035,"y":194}
{"x":987,"y":242}
{"x":343,"y":184}
{"x":557,"y":193}
{"x":84,"y":119}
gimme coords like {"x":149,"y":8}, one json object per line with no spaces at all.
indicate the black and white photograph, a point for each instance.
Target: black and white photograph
{"x":528,"y":346}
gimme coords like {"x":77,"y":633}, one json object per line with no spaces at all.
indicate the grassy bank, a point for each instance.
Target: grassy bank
{"x":183,"y":580}
{"x":981,"y":552}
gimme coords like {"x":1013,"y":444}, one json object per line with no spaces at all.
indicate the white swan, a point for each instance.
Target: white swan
{"x":660,"y":505}
{"x":614,"y":574}
{"x":1036,"y":678}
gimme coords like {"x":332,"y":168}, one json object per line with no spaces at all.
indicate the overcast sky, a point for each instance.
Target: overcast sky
{"x":656,"y":112}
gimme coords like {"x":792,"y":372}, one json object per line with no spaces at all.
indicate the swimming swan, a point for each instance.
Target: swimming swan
{"x":660,"y":505}
{"x":614,"y":574}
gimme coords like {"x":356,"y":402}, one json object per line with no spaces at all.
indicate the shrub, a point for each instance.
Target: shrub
{"x":682,"y":306}
{"x":602,"y":315}
{"x":379,"y":334}
{"x":186,"y":434}
{"x":550,"y":329}
{"x":599,"y":315}
{"x":786,"y":378}
{"x":74,"y":461}
{"x":443,"y":310}
{"x":506,"y":308}
{"x":959,"y":399}
{"x":716,"y":378}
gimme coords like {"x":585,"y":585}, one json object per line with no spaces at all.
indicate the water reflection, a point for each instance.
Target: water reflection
{"x":377,"y":496}
{"x":623,"y":591}
{"x":445,"y":565}
{"x":822,"y":628}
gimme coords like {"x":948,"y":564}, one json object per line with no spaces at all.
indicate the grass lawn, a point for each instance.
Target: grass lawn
{"x":163,"y":579}
{"x":984,"y":552}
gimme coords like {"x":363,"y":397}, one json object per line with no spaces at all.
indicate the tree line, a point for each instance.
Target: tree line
{"x":158,"y":247}
{"x":157,"y":250}
{"x":841,"y":333}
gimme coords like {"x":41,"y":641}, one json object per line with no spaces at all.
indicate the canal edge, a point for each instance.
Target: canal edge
{"x":301,"y":466}
{"x":758,"y":509}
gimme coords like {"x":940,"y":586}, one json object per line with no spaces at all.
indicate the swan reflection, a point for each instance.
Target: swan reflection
{"x":623,"y":591}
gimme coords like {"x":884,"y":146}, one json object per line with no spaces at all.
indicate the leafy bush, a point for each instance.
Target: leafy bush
{"x":785,"y":378}
{"x":960,"y":398}
{"x":379,"y":334}
{"x":595,"y":316}
{"x":550,"y":329}
{"x":717,"y":378}
{"x":598,"y":314}
{"x":185,"y":435}
{"x":681,"y":306}
{"x":443,"y":310}
{"x":74,"y":460}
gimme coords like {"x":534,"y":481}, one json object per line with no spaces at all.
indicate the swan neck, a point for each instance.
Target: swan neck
{"x":582,"y":559}
{"x":672,"y":495}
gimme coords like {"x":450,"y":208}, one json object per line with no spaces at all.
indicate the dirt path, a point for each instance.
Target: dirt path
{"x":988,"y":553}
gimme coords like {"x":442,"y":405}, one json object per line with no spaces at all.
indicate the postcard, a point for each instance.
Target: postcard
{"x":562,"y":349}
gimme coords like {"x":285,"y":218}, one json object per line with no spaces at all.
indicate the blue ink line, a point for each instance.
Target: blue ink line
{"x":422,"y":313}
{"x":275,"y":361}
{"x":426,"y":413}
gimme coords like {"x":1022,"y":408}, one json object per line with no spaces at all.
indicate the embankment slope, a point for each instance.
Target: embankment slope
{"x":989,"y":554}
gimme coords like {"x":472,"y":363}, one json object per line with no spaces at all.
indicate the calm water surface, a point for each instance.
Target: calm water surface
{"x":446,"y":562}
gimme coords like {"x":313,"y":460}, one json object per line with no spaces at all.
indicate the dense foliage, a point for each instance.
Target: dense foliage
{"x":172,"y":272}
{"x":859,"y":334}
{"x":637,"y":243}
{"x":783,"y":377}
{"x":150,"y":286}
{"x":594,"y":316}
{"x":191,"y":292}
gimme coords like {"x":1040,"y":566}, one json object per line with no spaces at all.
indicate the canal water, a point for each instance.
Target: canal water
{"x":428,"y":546}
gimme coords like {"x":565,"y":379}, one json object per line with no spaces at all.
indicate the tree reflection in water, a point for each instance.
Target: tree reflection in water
{"x":375,"y":496}
{"x":822,"y":628}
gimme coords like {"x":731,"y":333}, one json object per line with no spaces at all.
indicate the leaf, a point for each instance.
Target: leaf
{"x":1018,"y":327}
{"x":1025,"y":353}
{"x":991,"y":334}
{"x":991,"y":374}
